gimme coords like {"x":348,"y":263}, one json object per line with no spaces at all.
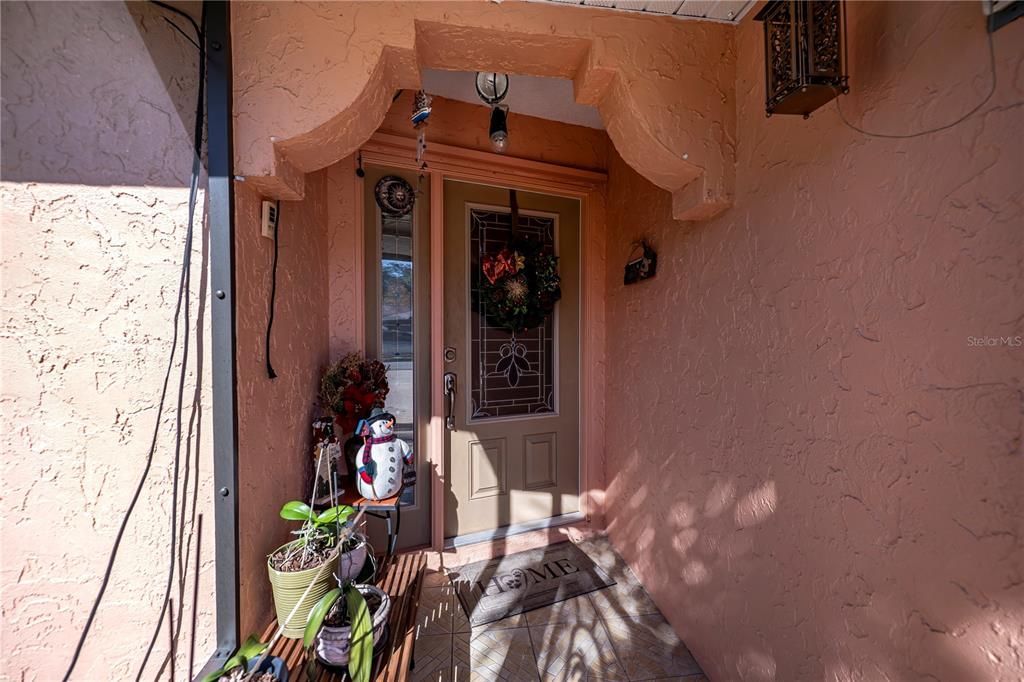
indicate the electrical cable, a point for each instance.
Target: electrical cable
{"x":907,"y":136}
{"x":182,"y":285}
{"x":273,"y":290}
{"x":184,"y":293}
{"x":183,"y":34}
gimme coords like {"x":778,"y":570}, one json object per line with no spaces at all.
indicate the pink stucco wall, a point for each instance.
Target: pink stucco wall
{"x":811,"y":467}
{"x":314,"y":80}
{"x":98,"y":106}
{"x":274,"y":415}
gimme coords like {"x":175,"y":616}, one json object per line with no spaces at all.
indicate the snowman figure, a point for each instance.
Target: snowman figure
{"x":381,"y":461}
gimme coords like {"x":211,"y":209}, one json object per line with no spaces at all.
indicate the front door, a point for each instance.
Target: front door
{"x":512,"y":454}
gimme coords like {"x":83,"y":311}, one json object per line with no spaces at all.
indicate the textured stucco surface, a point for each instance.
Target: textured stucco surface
{"x":315,"y":80}
{"x":274,"y":415}
{"x":98,"y":102}
{"x":810,"y":467}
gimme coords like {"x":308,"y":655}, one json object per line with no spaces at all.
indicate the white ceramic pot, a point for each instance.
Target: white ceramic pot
{"x":351,"y":562}
{"x":333,"y":644}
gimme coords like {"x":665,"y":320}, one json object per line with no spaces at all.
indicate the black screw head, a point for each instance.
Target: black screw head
{"x":224,"y":492}
{"x":220,"y":294}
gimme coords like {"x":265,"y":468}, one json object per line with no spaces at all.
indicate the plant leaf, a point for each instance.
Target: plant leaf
{"x":360,"y":657}
{"x":296,"y":510}
{"x":251,"y":648}
{"x":337,"y":514}
{"x":315,"y":620}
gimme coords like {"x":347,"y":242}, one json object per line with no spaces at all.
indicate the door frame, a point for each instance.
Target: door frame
{"x":446,"y":162}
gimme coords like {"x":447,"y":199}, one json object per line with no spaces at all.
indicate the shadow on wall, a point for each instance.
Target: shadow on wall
{"x":723,"y":544}
{"x":108,"y":99}
{"x":99,"y":109}
{"x":816,"y":338}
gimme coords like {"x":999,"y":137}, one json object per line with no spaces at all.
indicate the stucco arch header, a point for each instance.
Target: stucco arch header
{"x":314,"y":81}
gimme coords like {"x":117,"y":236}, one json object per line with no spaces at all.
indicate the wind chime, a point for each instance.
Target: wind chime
{"x":421,"y":108}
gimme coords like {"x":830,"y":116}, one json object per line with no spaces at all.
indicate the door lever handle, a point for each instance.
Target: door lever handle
{"x":450,"y":388}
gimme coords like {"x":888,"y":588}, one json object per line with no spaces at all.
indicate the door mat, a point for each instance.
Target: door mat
{"x":493,"y":589}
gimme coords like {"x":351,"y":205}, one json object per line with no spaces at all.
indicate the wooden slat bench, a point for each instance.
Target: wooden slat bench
{"x":403,"y":579}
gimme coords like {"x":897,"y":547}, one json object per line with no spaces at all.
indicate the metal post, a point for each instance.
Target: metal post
{"x":222,"y":277}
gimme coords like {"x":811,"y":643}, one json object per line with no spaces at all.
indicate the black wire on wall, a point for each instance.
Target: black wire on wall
{"x":271,"y":374}
{"x":972,"y":112}
{"x":181,"y":302}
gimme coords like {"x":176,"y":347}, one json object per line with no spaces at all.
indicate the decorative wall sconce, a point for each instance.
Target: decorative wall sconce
{"x":805,"y":54}
{"x":642,"y":264}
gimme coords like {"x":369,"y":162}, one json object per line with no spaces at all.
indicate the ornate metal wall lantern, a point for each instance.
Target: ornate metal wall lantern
{"x":805,"y":54}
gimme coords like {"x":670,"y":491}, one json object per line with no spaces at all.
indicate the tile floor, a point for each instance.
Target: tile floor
{"x":612,"y":634}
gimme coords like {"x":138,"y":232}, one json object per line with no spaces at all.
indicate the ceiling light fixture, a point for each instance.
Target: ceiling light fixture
{"x":492,"y":88}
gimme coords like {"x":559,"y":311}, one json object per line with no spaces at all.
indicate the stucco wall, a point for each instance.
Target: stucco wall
{"x":98,"y":107}
{"x":812,"y":469}
{"x":314,"y":80}
{"x":274,"y":415}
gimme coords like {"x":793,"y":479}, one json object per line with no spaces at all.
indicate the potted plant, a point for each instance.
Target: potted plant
{"x":343,"y":631}
{"x":352,"y":387}
{"x":302,"y":571}
{"x":247,"y":662}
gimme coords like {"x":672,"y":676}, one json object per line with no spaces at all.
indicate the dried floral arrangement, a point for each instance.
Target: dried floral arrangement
{"x":352,"y":387}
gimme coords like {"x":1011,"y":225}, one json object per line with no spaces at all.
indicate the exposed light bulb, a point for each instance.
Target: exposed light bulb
{"x":499,"y":129}
{"x":499,"y":141}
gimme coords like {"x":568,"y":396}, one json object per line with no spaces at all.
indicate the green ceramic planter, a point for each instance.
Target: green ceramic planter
{"x":288,"y":588}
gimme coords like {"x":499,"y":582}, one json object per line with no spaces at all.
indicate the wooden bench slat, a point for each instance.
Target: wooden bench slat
{"x":403,"y":636}
{"x":401,"y":662}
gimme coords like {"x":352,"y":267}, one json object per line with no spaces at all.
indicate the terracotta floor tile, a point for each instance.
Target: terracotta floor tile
{"x":648,"y":648}
{"x":436,"y":608}
{"x":622,"y":600}
{"x":575,"y":651}
{"x":600,"y":550}
{"x":493,"y":654}
{"x":433,"y":655}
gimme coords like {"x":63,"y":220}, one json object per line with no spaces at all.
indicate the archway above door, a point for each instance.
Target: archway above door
{"x":313,"y":82}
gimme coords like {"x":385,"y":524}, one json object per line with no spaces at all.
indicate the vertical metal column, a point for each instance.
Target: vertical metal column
{"x":222,"y":277}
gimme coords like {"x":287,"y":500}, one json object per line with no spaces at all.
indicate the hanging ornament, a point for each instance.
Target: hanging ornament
{"x":421,"y":108}
{"x":394,"y":195}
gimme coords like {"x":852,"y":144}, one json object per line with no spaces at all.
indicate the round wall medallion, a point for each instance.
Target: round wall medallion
{"x":394,"y":195}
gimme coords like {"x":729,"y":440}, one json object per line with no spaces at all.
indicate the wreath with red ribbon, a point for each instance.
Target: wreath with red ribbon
{"x":519,"y":284}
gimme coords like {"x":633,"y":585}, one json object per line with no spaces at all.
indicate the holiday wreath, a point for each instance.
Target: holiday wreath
{"x":352,"y":387}
{"x":520,"y":285}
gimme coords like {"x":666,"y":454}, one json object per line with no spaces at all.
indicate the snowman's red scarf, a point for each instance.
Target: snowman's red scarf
{"x":368,"y":443}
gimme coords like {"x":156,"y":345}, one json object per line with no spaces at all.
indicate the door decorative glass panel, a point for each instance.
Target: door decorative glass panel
{"x":512,"y":374}
{"x":396,"y":319}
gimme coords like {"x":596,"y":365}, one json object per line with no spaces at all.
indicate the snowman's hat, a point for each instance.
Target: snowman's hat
{"x":376,"y":415}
